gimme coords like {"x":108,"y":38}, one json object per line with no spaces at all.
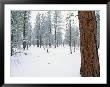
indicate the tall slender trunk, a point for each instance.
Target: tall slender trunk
{"x":70,"y":36}
{"x":12,"y":44}
{"x":55,"y":28}
{"x":63,"y":44}
{"x":38,"y":34}
{"x":50,"y":38}
{"x":74,"y":45}
{"x":49,"y":43}
{"x":24,"y":32}
{"x":37,"y":41}
{"x":27,"y":45}
{"x":57,"y":43}
{"x":90,"y":66}
{"x":50,"y":33}
{"x":55,"y":37}
{"x":40,"y":41}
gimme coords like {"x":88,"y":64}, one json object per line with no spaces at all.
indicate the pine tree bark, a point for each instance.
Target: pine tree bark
{"x":90,"y":66}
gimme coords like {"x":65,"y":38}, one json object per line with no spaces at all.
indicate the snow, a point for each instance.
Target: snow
{"x":36,"y":62}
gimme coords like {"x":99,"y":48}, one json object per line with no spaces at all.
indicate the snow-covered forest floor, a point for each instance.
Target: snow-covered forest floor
{"x":36,"y":62}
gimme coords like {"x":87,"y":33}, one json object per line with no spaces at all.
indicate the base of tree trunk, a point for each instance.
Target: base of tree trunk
{"x":47,"y":51}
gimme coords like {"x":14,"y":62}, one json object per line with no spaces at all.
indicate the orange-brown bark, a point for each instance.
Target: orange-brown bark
{"x":89,"y":56}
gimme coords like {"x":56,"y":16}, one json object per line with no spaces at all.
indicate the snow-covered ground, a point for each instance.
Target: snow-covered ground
{"x":36,"y":62}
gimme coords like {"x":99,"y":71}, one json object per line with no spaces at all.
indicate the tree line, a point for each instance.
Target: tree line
{"x":47,"y":31}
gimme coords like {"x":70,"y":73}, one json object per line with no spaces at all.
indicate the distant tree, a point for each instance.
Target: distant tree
{"x":57,"y":19}
{"x":72,"y":33}
{"x":72,"y":37}
{"x":16,"y":30}
{"x":37,"y":29}
{"x":26,"y":29}
{"x":49,"y":27}
{"x":20,"y":30}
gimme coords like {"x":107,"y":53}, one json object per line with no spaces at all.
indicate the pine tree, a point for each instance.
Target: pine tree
{"x":26,"y":30}
{"x":16,"y":30}
{"x":20,"y":30}
{"x":72,"y":33}
{"x":49,"y":26}
{"x":89,"y":55}
{"x":57,"y":19}
{"x":70,"y":36}
{"x":37,"y":29}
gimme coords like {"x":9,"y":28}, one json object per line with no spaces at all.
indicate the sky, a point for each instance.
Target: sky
{"x":64,"y":15}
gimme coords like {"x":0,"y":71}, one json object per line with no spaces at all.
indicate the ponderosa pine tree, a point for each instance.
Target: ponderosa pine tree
{"x":90,"y":66}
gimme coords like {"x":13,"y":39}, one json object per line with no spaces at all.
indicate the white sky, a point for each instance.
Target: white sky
{"x":64,"y":15}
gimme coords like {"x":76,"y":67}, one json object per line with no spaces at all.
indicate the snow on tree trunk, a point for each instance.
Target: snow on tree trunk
{"x":90,"y":66}
{"x":70,"y":37}
{"x":55,"y":36}
{"x":24,"y":32}
{"x":49,"y":26}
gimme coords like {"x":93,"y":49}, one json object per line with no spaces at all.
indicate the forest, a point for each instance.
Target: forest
{"x":55,"y":43}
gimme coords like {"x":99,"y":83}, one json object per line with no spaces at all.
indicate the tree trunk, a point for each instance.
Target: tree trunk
{"x":74,"y":45}
{"x":49,"y":42}
{"x":50,"y":33}
{"x":12,"y":44}
{"x":55,"y":29}
{"x":63,"y":44}
{"x":57,"y":42}
{"x":24,"y":45}
{"x":24,"y":32}
{"x":70,"y":36}
{"x":27,"y":45}
{"x":37,"y":41}
{"x":40,"y":41}
{"x":55,"y":37}
{"x":90,"y":66}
